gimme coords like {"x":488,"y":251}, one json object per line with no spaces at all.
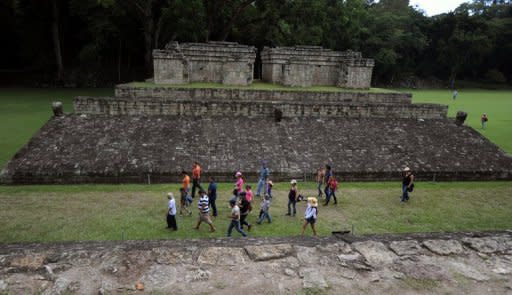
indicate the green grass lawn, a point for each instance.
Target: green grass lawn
{"x":496,"y":103}
{"x":25,"y":110}
{"x":116,"y":212}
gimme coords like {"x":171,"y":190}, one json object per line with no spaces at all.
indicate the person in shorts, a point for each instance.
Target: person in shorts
{"x":204,"y":211}
{"x":311,"y":215}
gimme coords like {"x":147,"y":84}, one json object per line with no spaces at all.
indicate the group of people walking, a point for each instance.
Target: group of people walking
{"x":241,"y":203}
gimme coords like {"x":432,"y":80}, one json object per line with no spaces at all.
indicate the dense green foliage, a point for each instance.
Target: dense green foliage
{"x":96,"y":42}
{"x":117,"y":212}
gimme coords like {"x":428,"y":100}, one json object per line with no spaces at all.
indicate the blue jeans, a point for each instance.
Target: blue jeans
{"x":328,"y":198}
{"x":292,"y":203}
{"x":320,"y":189}
{"x":236,"y":224}
{"x":405,"y":193}
{"x":264,"y":215}
{"x":261,"y":184}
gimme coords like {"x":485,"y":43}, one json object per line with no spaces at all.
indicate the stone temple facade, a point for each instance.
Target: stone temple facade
{"x":306,"y":66}
{"x":219,"y":62}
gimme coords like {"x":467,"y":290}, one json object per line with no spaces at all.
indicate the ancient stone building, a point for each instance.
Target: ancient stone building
{"x":312,"y":65}
{"x":220,"y":62}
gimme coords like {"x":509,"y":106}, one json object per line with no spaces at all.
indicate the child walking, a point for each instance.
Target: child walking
{"x":264,"y":212}
{"x":311,"y":215}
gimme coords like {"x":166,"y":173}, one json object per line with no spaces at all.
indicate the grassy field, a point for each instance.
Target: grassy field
{"x":114,"y":212}
{"x":25,"y":110}
{"x":496,"y":103}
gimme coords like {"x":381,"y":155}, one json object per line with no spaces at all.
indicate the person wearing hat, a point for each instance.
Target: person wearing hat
{"x":235,"y":219}
{"x":311,"y":215}
{"x":268,"y":190}
{"x":292,"y":198}
{"x":407,"y":184}
{"x":171,"y":212}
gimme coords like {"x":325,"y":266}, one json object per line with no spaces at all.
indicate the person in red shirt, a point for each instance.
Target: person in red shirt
{"x":333,"y":186}
{"x":196,"y":178}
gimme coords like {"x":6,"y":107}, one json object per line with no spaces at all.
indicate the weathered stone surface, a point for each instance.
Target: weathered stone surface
{"x":30,"y":261}
{"x":312,"y":65}
{"x":222,"y":256}
{"x":402,"y":248}
{"x":376,"y":253}
{"x":444,"y":247}
{"x":222,"y":62}
{"x":268,"y":252}
{"x":120,"y":149}
{"x":483,"y":245}
{"x":159,"y":277}
{"x":311,"y":278}
{"x":474,"y":272}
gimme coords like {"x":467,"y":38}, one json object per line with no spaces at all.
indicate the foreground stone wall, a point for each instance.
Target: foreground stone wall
{"x":139,"y":149}
{"x":313,"y":65}
{"x":219,"y":62}
{"x":458,"y":263}
{"x":216,"y":107}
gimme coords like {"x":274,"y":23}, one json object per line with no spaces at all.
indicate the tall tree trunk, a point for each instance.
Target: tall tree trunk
{"x":56,"y":40}
{"x":149,"y":30}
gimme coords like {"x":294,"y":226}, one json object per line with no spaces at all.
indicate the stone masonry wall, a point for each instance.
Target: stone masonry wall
{"x":435,"y":263}
{"x":129,"y":91}
{"x":220,"y":62}
{"x":216,"y":107}
{"x":311,"y":65}
{"x":83,"y":148}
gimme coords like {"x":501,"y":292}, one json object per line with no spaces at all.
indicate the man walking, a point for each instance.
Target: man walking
{"x":196,"y":178}
{"x":171,"y":212}
{"x":235,"y":219}
{"x":204,"y":211}
{"x":264,"y":174}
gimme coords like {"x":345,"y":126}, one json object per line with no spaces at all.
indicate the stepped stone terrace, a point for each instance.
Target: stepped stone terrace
{"x":149,"y":134}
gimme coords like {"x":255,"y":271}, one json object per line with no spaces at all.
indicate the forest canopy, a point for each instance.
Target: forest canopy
{"x":100,"y":42}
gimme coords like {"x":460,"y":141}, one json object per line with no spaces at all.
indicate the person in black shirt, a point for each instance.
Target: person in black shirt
{"x":407,"y":184}
{"x":245,"y":208}
{"x":292,"y":198}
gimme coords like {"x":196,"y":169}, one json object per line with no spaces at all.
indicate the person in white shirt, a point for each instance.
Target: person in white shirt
{"x":311,"y":215}
{"x":235,"y":219}
{"x":171,"y":212}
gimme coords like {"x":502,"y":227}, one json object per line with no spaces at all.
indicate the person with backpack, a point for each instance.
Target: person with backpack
{"x":327,"y":176}
{"x":407,"y":184}
{"x":483,"y":120}
{"x":311,"y":215}
{"x":333,"y":186}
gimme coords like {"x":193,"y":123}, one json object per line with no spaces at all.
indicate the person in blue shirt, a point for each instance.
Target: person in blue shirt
{"x":212,"y":195}
{"x":264,"y":174}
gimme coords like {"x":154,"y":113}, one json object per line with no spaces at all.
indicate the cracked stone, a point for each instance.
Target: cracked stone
{"x":444,"y":247}
{"x":376,"y":253}
{"x":268,"y":252}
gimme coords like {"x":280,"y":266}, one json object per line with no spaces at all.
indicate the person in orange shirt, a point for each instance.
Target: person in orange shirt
{"x":184,"y":193}
{"x":196,"y":177}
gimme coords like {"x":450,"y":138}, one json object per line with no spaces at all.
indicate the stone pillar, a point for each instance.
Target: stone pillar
{"x":460,"y":118}
{"x":57,"y":108}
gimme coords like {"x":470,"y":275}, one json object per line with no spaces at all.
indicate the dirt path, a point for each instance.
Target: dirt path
{"x":469,"y":263}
